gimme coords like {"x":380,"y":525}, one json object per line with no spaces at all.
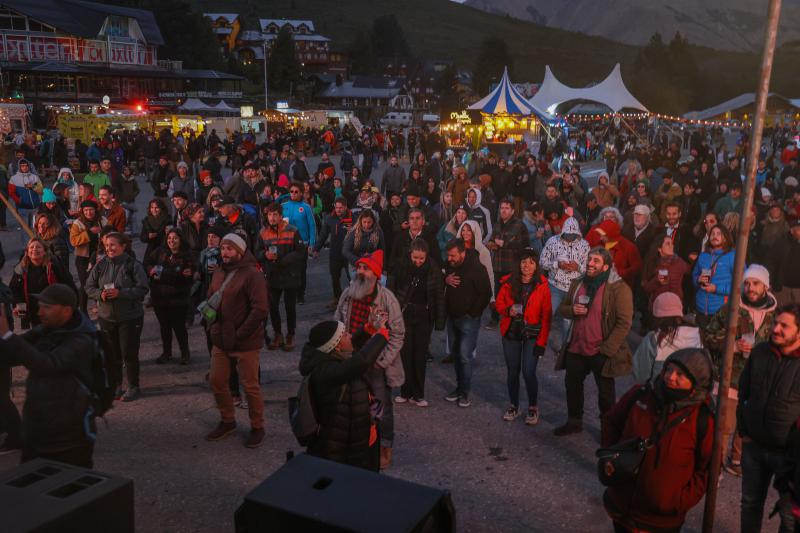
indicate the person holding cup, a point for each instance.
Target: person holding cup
{"x":523,"y":303}
{"x":754,"y":326}
{"x":664,"y":271}
{"x":713,"y":274}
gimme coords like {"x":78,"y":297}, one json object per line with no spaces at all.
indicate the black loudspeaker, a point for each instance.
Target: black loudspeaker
{"x":309,"y":494}
{"x":49,"y":496}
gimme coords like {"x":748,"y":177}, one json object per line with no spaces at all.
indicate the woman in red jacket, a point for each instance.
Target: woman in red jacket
{"x":673,"y":474}
{"x":523,"y":303}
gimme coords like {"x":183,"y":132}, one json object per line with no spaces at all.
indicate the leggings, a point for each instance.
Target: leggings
{"x":171,"y":319}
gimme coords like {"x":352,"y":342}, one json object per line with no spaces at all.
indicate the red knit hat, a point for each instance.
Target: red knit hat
{"x":374,"y":262}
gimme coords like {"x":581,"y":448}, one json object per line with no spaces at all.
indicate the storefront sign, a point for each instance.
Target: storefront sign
{"x":23,"y":48}
{"x":461,"y":118}
{"x":246,"y":111}
{"x":202,"y":94}
{"x":281,"y":105}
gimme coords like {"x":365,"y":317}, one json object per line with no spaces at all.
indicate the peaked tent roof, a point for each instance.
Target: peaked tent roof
{"x":743,"y":100}
{"x":505,"y":99}
{"x":223,"y":106}
{"x":195,"y":104}
{"x":610,"y":92}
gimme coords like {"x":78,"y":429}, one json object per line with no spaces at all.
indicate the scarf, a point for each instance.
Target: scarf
{"x":593,"y":284}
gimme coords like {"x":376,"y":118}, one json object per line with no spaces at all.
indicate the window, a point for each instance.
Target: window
{"x":116,"y":26}
{"x":38,"y":26}
{"x":56,"y":84}
{"x":10,"y":20}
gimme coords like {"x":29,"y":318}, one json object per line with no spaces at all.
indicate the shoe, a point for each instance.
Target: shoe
{"x":243,"y":404}
{"x":733,"y":468}
{"x":237,"y":401}
{"x":533,"y":416}
{"x":222,"y":430}
{"x":255,"y":439}
{"x":288,"y":346}
{"x":119,"y":393}
{"x":448,"y":359}
{"x":277,"y":342}
{"x":572,"y":426}
{"x":301,"y":300}
{"x":464,"y":401}
{"x":386,"y":458}
{"x":421,"y":402}
{"x":429,"y":358}
{"x":400,"y":399}
{"x":185,"y":359}
{"x":453,"y":396}
{"x":511,"y":413}
{"x":131,"y":394}
{"x":163,"y":358}
{"x":491,"y":325}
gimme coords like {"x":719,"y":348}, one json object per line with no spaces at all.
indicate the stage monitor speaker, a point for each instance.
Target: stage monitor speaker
{"x":309,"y":494}
{"x":48,"y":496}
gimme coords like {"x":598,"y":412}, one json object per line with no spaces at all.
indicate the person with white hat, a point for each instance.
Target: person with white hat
{"x":754,"y":326}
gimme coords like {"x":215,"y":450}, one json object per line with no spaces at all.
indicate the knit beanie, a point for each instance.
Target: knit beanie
{"x":374,"y":262}
{"x":667,"y":304}
{"x":237,"y":242}
{"x":757,"y":272}
{"x":48,"y":196}
{"x":325,"y":336}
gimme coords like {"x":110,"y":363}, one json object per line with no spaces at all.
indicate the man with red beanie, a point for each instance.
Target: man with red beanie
{"x":625,"y":254}
{"x":360,"y":303}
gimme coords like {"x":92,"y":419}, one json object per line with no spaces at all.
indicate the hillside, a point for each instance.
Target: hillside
{"x":723,"y":24}
{"x":442,"y":29}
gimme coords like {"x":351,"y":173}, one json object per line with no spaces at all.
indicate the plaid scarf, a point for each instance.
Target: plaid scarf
{"x":359,"y":312}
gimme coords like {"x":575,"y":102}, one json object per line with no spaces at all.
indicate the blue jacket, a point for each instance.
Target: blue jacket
{"x":301,"y":217}
{"x":722,"y":277}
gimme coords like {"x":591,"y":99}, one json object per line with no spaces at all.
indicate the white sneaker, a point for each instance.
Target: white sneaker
{"x":422,"y":402}
{"x":400,"y":399}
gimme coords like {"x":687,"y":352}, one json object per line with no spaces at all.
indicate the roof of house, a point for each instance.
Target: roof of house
{"x":136,"y":71}
{"x":296,"y":37}
{"x":84,"y":19}
{"x":295,"y":23}
{"x":222,"y":30}
{"x":229,"y":17}
{"x":351,"y":89}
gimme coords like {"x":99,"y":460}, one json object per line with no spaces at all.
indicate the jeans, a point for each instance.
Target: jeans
{"x":376,"y":378}
{"x":758,"y":468}
{"x":519,"y":357}
{"x":247,"y":363}
{"x":463,"y":335}
{"x":558,"y":324}
{"x":173,"y":319}
{"x":578,"y":367}
{"x":289,"y":304}
{"x":125,"y":337}
{"x":415,"y":351}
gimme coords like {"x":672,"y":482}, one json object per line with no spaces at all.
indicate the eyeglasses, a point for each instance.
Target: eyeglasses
{"x":294,"y":191}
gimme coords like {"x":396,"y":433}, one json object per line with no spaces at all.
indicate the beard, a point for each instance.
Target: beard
{"x":362,"y":286}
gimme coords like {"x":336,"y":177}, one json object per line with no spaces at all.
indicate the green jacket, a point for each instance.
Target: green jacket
{"x":714,"y":334}
{"x":97,"y":180}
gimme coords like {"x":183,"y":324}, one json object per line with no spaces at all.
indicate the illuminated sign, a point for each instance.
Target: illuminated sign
{"x":281,"y":105}
{"x":246,"y":111}
{"x":461,"y":118}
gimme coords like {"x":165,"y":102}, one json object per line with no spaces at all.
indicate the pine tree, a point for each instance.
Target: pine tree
{"x":283,"y":67}
{"x":492,"y":58}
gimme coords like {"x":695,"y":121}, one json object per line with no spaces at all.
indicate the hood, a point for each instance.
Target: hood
{"x":478,"y":197}
{"x":611,"y":229}
{"x":571,"y":226}
{"x":696,"y":362}
{"x":770,"y":305}
{"x":65,"y":170}
{"x":476,"y":229}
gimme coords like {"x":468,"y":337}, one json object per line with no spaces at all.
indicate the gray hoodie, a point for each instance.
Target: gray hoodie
{"x":557,"y":249}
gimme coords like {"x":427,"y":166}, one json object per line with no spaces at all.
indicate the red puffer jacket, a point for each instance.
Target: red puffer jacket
{"x":538,"y":310}
{"x":669,"y":483}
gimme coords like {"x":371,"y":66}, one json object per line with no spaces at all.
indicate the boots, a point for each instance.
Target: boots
{"x":185,"y":358}
{"x":288,"y":346}
{"x":386,"y":458}
{"x":277,"y":342}
{"x":573,"y":425}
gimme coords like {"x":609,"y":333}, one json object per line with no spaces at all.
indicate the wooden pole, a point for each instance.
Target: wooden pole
{"x":767,"y":57}
{"x":13,"y":210}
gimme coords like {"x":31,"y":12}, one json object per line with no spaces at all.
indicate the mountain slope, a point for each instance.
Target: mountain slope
{"x":723,"y":24}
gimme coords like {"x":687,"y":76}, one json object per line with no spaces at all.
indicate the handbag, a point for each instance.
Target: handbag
{"x":208,"y":308}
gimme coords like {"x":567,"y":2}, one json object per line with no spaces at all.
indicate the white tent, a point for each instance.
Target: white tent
{"x":610,"y":92}
{"x":195,"y":104}
{"x":738,"y":102}
{"x":505,"y":99}
{"x":224,"y":107}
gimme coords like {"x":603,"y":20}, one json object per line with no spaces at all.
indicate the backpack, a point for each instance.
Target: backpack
{"x":302,"y":414}
{"x":106,"y":375}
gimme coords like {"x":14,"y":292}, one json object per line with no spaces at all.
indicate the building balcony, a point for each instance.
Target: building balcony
{"x":23,"y":47}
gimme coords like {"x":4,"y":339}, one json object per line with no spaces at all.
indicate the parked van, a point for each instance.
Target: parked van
{"x":396,"y":119}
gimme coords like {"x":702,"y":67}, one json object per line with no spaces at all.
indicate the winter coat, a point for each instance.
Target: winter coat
{"x":536,"y":310}
{"x":158,"y":226}
{"x":128,"y":190}
{"x":673,"y":475}
{"x":616,"y":324}
{"x":786,"y":274}
{"x":79,"y":236}
{"x":286,"y":271}
{"x":115,"y":216}
{"x":404,"y":282}
{"x":392,"y":180}
{"x":369,"y":243}
{"x":721,"y":265}
{"x":627,"y":260}
{"x":676,"y":269}
{"x":645,"y":238}
{"x":336,"y":229}
{"x":170,"y":287}
{"x":769,"y":396}
{"x":129,"y":276}
{"x":186,"y":185}
{"x":389,"y":358}
{"x":55,"y":414}
{"x":484,"y":255}
{"x":481,"y":215}
{"x":474,"y":292}
{"x":241,"y":314}
{"x":160,"y":180}
{"x":515,"y":237}
{"x":401,"y":248}
{"x":556,"y":249}
{"x":341,"y":397}
{"x":242,"y":225}
{"x":29,"y":280}
{"x":649,"y":357}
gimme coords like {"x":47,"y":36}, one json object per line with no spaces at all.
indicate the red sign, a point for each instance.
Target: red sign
{"x":22,"y":48}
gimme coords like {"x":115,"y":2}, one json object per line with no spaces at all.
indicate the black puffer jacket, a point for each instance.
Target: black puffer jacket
{"x":55,"y":403}
{"x":769,"y":396}
{"x":341,"y":397}
{"x":407,"y":285}
{"x":171,"y":287}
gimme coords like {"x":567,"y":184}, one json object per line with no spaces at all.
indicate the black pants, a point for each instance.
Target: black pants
{"x":125,"y":338}
{"x":82,"y":265}
{"x":79,"y":456}
{"x":233,"y":379}
{"x":302,"y":292}
{"x":2,"y":215}
{"x":335,"y":268}
{"x":171,"y":319}
{"x":578,"y":367}
{"x":10,"y":421}
{"x":289,"y":303}
{"x":415,"y":351}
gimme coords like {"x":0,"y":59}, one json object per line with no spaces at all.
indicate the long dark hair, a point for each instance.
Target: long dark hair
{"x":516,"y":275}
{"x":666,"y":328}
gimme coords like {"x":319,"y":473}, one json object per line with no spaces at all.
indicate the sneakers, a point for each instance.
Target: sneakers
{"x":453,"y":396}
{"x":733,"y":467}
{"x":276,"y":343}
{"x":429,"y":357}
{"x":571,"y":427}
{"x":464,"y":401}
{"x":511,"y":413}
{"x":222,"y":430}
{"x":185,"y":358}
{"x":163,"y":358}
{"x":131,"y":394}
{"x":288,"y":346}
{"x":400,"y":399}
{"x":301,"y":300}
{"x":421,"y":402}
{"x":255,"y":439}
{"x":243,"y":404}
{"x":533,"y":416}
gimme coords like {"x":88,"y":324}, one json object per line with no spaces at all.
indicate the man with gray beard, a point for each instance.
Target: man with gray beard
{"x":360,"y":302}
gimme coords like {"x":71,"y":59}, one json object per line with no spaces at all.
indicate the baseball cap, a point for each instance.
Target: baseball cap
{"x":58,"y":294}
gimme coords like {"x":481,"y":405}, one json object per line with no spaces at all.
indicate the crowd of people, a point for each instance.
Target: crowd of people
{"x":552,"y":263}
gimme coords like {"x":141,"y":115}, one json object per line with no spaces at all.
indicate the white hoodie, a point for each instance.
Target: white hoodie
{"x":557,"y":249}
